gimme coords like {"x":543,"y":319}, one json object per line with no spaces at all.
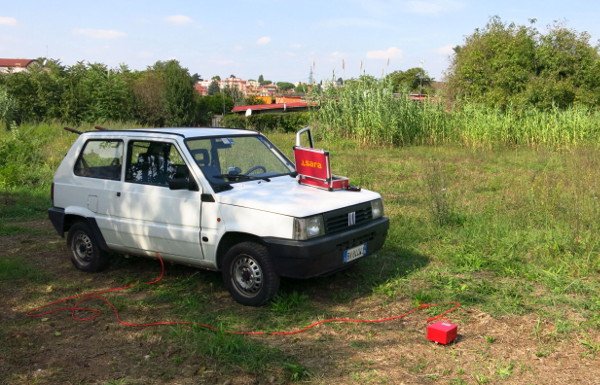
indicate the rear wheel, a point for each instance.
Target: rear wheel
{"x":85,"y":253}
{"x":249,"y":274}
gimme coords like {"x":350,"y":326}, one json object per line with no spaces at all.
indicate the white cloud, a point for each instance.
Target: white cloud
{"x":10,"y":21}
{"x":104,"y":34}
{"x":432,"y":7}
{"x":179,"y":19}
{"x":392,"y":52}
{"x":446,"y":50}
{"x":263,"y":40}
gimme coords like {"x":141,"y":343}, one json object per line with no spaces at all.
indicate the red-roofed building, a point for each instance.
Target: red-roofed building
{"x":15,"y":65}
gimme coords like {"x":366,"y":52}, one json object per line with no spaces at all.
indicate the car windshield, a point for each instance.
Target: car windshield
{"x":232,"y":159}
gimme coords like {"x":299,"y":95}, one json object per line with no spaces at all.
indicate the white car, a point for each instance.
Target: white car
{"x":220,"y":199}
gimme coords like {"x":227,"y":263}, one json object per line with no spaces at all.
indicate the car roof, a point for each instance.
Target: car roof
{"x":185,"y":132}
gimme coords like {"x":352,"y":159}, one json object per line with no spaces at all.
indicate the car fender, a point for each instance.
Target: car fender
{"x":89,"y":217}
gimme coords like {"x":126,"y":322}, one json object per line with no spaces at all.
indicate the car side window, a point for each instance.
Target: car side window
{"x":100,"y":159}
{"x":154,"y":163}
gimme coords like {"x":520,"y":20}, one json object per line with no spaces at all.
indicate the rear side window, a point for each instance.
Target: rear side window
{"x":100,"y":159}
{"x":154,"y":163}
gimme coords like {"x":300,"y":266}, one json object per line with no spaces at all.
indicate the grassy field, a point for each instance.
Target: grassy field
{"x":511,"y":233}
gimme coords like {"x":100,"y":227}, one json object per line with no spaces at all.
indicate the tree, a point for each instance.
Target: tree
{"x":150,"y":99}
{"x":234,"y":94}
{"x":219,"y":104}
{"x":75,"y":100}
{"x":109,"y":96}
{"x":36,"y":93}
{"x":179,"y":93}
{"x":7,"y":108}
{"x":302,"y":88}
{"x":285,"y":86}
{"x":262,"y":81}
{"x":253,"y":100}
{"x":506,"y":64}
{"x":494,"y":63}
{"x":213,"y":87}
{"x":412,"y":80}
{"x":567,"y":70}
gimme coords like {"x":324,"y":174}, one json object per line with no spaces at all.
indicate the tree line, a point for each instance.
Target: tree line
{"x":161,"y":95}
{"x":502,"y":65}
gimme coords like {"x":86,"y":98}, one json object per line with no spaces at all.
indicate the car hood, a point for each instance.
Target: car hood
{"x":284,"y":195}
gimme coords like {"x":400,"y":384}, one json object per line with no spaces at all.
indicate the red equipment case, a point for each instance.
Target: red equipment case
{"x":313,"y":166}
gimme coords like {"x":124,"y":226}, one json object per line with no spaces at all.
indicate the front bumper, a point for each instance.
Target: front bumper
{"x":324,"y":255}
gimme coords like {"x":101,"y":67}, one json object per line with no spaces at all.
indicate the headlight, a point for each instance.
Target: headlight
{"x":305,"y":228}
{"x":377,"y":208}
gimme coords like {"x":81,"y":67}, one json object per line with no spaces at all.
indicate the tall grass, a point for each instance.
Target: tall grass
{"x":31,"y":153}
{"x":368,"y":111}
{"x":485,"y":126}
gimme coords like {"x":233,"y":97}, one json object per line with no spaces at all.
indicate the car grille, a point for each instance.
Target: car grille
{"x":337,"y":220}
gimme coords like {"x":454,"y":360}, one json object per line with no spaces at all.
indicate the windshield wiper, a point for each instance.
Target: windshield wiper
{"x":241,"y":177}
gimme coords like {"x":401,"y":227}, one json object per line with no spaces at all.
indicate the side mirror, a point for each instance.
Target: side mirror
{"x":183,"y":184}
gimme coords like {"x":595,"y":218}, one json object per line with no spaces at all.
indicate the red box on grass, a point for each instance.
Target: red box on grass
{"x":442,"y":332}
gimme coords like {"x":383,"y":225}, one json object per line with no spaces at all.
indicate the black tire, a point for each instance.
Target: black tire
{"x":249,"y":274}
{"x":85,"y":253}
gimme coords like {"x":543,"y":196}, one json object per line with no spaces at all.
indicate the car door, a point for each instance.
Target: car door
{"x":148,"y":215}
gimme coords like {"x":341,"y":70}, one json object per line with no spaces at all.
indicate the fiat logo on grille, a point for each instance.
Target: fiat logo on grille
{"x":352,"y":218}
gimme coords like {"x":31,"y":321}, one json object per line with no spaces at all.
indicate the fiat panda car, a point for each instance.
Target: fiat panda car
{"x":220,"y":199}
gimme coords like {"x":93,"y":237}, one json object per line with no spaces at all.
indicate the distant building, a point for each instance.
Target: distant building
{"x":15,"y":65}
{"x":266,"y":92}
{"x":200,"y":89}
{"x":233,"y":82}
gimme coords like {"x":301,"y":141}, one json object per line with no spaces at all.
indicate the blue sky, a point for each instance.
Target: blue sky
{"x":280,"y":39}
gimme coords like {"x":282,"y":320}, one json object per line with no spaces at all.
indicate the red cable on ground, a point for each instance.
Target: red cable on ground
{"x":76,"y":308}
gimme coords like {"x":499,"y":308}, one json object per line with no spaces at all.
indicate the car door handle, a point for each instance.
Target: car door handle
{"x":119,"y":194}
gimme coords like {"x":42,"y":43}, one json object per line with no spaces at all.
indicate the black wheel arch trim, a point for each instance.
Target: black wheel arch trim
{"x":60,"y":221}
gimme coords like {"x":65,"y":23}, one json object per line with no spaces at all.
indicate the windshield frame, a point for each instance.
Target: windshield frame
{"x":227,"y":185}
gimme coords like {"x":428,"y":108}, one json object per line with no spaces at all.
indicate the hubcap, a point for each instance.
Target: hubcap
{"x":83,"y":249}
{"x":247,"y":275}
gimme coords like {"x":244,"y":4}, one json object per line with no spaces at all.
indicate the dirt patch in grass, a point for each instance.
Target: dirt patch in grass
{"x":59,"y":350}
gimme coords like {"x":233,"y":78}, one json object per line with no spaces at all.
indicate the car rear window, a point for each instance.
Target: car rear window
{"x":100,"y":159}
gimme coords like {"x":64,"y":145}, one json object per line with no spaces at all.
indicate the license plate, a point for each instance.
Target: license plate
{"x":355,"y":252}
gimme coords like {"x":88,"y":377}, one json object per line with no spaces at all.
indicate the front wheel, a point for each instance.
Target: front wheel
{"x":249,"y":274}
